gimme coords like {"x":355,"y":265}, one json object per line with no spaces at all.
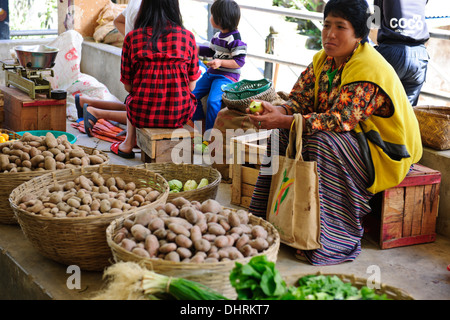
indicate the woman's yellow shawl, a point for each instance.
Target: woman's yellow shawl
{"x":389,"y":145}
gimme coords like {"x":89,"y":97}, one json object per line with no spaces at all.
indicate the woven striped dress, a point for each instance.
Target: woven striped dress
{"x":343,"y":179}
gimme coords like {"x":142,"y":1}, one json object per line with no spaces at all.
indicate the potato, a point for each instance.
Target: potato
{"x":202,"y":245}
{"x":234,"y":220}
{"x":36,"y":160}
{"x":172,"y":256}
{"x":155,"y":224}
{"x":111,"y":181}
{"x":221,"y":242}
{"x":196,"y":233}
{"x":151,"y":245}
{"x":160,"y":233}
{"x":179,"y":229}
{"x":242,"y":241}
{"x":73,"y":202}
{"x":259,"y":232}
{"x":49,"y":163}
{"x":168,"y":247}
{"x":211,"y":205}
{"x":215,"y":229}
{"x":50,"y":140}
{"x":171,"y":209}
{"x":85,"y":183}
{"x":184,"y":253}
{"x":105,"y":206}
{"x":119,"y":237}
{"x":180,"y":201}
{"x":152,"y":195}
{"x":190,"y":215}
{"x":128,"y":244}
{"x":97,"y":179}
{"x":61,"y":157}
{"x":120,"y":183}
{"x":243,"y":215}
{"x":182,"y":241}
{"x":259,"y":244}
{"x":77,"y":153}
{"x":139,"y":232}
{"x":248,"y":251}
{"x":130,"y":186}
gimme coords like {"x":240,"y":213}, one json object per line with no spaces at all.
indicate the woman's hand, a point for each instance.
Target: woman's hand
{"x":271,"y":117}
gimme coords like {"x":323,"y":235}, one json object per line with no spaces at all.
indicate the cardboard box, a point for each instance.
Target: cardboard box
{"x":21,"y":113}
{"x":406,"y":214}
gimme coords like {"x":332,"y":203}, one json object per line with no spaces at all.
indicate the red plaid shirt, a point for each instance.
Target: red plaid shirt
{"x":160,"y":95}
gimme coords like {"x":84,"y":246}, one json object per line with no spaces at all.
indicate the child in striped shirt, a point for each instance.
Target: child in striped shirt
{"x":228,"y":53}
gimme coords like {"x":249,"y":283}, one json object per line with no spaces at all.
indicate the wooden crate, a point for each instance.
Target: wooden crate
{"x":157,"y":144}
{"x":247,"y":151}
{"x":21,"y":113}
{"x":406,"y":214}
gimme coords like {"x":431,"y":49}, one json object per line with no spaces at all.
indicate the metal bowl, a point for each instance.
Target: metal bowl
{"x":37,"y":56}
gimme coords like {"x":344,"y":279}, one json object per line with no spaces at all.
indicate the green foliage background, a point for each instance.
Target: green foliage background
{"x":33,"y":14}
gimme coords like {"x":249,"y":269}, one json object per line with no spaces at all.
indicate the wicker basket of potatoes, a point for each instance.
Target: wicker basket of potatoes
{"x":32,"y":156}
{"x":65,"y":213}
{"x":192,"y":240}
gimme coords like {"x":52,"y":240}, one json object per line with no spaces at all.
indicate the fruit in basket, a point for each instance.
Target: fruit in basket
{"x":203,"y":183}
{"x":256,"y":106}
{"x":4,"y":137}
{"x":175,"y":185}
{"x":190,"y":185}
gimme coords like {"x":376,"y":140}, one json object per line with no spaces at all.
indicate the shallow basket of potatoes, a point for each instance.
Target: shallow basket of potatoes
{"x":196,"y":241}
{"x":65,"y":213}
{"x":184,"y":172}
{"x":32,"y":156}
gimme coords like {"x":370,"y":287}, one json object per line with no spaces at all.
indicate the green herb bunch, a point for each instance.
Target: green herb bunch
{"x":260,"y":280}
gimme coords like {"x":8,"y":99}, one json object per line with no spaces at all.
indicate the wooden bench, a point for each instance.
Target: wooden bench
{"x":157,"y":143}
{"x":406,"y":214}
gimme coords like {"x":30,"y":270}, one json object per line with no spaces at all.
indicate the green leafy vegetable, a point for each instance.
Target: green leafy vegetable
{"x":257,"y":280}
{"x":175,"y":185}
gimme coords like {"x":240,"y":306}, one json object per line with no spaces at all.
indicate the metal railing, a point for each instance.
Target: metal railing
{"x":42,"y":32}
{"x":316,"y":16}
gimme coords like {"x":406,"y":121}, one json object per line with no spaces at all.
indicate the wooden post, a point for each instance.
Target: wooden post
{"x":270,"y":49}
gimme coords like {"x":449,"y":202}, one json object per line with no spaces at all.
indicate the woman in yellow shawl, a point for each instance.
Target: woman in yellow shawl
{"x":358,"y":126}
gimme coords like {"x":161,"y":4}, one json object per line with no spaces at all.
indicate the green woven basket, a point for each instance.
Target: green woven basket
{"x":245,"y":88}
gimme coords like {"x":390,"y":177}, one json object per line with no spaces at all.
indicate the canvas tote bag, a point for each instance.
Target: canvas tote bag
{"x":293,"y":206}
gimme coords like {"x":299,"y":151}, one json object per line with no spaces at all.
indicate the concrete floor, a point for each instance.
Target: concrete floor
{"x":419,"y":270}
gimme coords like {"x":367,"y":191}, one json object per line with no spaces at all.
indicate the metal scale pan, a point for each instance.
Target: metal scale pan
{"x":34,"y":62}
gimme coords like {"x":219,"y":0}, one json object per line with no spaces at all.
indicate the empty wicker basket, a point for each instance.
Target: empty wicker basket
{"x":213,"y":275}
{"x":434,"y":123}
{"x":79,"y":241}
{"x":184,"y":172}
{"x":11,"y":180}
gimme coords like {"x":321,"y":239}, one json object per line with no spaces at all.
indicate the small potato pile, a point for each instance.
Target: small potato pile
{"x":192,"y":232}
{"x":85,"y":196}
{"x":33,"y":153}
